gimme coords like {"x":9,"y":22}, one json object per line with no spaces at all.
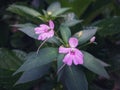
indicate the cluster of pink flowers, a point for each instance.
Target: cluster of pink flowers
{"x":73,"y":55}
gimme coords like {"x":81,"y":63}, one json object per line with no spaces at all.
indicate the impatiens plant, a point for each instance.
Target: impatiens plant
{"x":62,"y":48}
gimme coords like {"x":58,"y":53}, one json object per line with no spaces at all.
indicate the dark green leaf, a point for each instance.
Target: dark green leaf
{"x":11,"y":60}
{"x":102,"y":63}
{"x":60,"y":65}
{"x":19,"y":8}
{"x":85,"y":35}
{"x":96,"y":8}
{"x":33,"y":74}
{"x":54,"y":7}
{"x":71,"y":19}
{"x":54,"y":39}
{"x":35,"y":60}
{"x":7,"y":81}
{"x":73,"y":78}
{"x":78,"y":6}
{"x":65,"y":33}
{"x":94,"y":65}
{"x":28,"y":29}
{"x":110,"y":26}
{"x":72,"y":22}
{"x":59,"y":60}
{"x":59,"y":12}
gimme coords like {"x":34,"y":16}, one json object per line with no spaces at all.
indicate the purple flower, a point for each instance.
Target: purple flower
{"x":44,"y":31}
{"x":73,"y":55}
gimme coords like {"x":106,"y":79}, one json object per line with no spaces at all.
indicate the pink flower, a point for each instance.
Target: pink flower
{"x":44,"y":31}
{"x":73,"y":55}
{"x":92,"y":39}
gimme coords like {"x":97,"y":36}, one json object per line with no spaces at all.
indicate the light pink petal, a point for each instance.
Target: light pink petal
{"x":78,"y":52}
{"x":73,"y":42}
{"x":68,"y":59}
{"x":75,"y":61}
{"x":38,"y":30}
{"x":50,"y":34}
{"x":51,"y":24}
{"x":63,"y":50}
{"x":92,"y":39}
{"x":78,"y":60}
{"x":44,"y":26}
{"x":39,"y":37}
{"x":42,"y":36}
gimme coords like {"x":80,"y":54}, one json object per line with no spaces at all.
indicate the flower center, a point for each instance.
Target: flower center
{"x":72,"y":52}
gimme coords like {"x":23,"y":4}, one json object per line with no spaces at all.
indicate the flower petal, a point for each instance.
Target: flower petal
{"x":63,"y":49}
{"x":78,"y":52}
{"x":78,"y":60}
{"x":38,"y":30}
{"x":73,"y":42}
{"x":42,"y":36}
{"x":50,"y":34}
{"x":51,"y":24}
{"x":44,"y":26}
{"x":75,"y":60}
{"x":68,"y":59}
{"x":78,"y":57}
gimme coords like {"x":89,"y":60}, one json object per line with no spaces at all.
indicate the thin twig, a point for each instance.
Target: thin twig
{"x":60,"y":68}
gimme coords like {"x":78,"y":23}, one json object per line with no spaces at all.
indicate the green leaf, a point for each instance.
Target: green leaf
{"x":28,"y":29}
{"x":78,"y":6}
{"x":72,"y":22}
{"x":109,"y":26}
{"x":92,"y":63}
{"x":35,"y":60}
{"x":55,"y":9}
{"x":85,"y":35}
{"x":59,"y":60}
{"x":102,"y":63}
{"x":54,"y":39}
{"x":65,"y":33}
{"x":55,"y":6}
{"x":11,"y":60}
{"x":60,"y":65}
{"x":7,"y":81}
{"x":33,"y":74}
{"x":95,"y":9}
{"x":19,"y":8}
{"x":71,"y":19}
{"x":73,"y":78}
{"x":59,"y":12}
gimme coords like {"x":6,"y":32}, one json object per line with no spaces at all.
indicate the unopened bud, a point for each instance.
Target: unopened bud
{"x":49,"y":12}
{"x":92,"y":39}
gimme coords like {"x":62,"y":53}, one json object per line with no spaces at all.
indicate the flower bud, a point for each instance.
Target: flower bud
{"x":92,"y":39}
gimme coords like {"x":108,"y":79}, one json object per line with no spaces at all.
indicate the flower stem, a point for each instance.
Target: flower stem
{"x":60,"y":68}
{"x":41,"y":45}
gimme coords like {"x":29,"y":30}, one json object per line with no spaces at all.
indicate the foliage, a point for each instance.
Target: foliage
{"x":45,"y":70}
